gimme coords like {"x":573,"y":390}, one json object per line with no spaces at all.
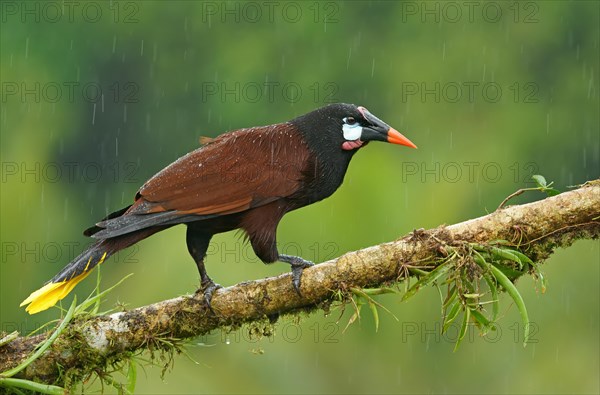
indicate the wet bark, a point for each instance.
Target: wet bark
{"x":92,"y":343}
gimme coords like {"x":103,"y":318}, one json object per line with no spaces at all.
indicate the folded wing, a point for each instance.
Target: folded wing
{"x":233,"y":173}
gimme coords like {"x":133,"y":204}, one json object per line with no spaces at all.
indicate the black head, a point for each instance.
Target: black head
{"x":346,"y":127}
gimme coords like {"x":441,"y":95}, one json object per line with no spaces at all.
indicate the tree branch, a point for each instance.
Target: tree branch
{"x":90,"y":343}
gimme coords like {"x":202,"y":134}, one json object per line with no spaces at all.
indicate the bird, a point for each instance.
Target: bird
{"x":244,"y":179}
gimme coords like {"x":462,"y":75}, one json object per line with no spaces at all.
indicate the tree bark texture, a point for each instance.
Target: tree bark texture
{"x":92,"y":342}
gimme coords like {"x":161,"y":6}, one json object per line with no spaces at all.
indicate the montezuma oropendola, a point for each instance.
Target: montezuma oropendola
{"x":247,"y":179}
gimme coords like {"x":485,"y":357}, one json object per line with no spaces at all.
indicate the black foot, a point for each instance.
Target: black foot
{"x":298,"y":265}
{"x":208,"y":288}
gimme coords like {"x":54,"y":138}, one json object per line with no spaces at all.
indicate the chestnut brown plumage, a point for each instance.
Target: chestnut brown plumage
{"x":247,"y":179}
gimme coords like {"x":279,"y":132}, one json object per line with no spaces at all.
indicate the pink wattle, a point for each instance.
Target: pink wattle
{"x":350,"y":145}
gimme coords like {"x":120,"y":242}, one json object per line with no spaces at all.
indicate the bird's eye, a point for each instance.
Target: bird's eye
{"x":350,"y":120}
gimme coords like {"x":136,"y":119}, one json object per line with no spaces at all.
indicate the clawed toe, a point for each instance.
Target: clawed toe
{"x":298,"y":265}
{"x":296,"y":277}
{"x":208,"y":288}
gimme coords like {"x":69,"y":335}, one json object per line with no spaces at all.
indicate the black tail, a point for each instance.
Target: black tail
{"x":78,"y":269}
{"x":95,"y":229}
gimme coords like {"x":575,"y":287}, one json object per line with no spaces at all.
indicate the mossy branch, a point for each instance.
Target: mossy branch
{"x":91,"y":343}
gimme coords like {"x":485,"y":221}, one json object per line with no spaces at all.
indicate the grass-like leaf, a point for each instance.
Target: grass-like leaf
{"x":490,"y":280}
{"x":373,"y":304}
{"x":45,"y":345}
{"x":378,"y":291}
{"x":8,"y":338}
{"x":482,"y":321}
{"x":450,"y":297}
{"x":13,"y":384}
{"x":6,"y":380}
{"x":516,"y":296}
{"x":501,"y":253}
{"x":451,"y":316}
{"x":131,"y":376}
{"x":429,"y":278}
{"x":95,"y":297}
{"x":463,"y":328}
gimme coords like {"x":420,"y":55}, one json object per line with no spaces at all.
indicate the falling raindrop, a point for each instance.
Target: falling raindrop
{"x":142,"y":49}
{"x":66,"y":210}
{"x":348,"y":60}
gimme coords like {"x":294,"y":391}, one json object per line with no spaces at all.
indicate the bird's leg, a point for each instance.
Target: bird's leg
{"x":197,"y":243}
{"x":298,"y":265}
{"x":207,"y":285}
{"x":261,"y":227}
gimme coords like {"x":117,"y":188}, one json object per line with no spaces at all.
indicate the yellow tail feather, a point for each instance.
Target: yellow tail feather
{"x":50,"y":294}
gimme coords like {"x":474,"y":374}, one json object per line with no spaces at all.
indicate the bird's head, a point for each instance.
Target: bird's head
{"x":351,"y":127}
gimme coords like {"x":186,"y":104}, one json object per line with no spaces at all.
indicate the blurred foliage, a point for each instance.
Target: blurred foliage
{"x":67,"y":161}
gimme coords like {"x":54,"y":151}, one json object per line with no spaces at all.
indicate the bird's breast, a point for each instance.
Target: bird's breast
{"x":320,"y":179}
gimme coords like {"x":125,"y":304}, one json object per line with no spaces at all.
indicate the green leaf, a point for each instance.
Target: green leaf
{"x":429,"y":278}
{"x":516,"y":296}
{"x":539,"y":180}
{"x":450,"y":297}
{"x":7,"y":382}
{"x":379,"y":291}
{"x":472,"y":296}
{"x":8,"y":338}
{"x":551,"y":191}
{"x":372,"y":305}
{"x":484,"y":323}
{"x":500,"y":253}
{"x":489,"y":279}
{"x":131,"y":377}
{"x":511,"y":273}
{"x":45,"y":345}
{"x":375,"y":314}
{"x":95,"y":300}
{"x":463,"y":328}
{"x":524,"y":258}
{"x":352,"y":319}
{"x":451,"y":316}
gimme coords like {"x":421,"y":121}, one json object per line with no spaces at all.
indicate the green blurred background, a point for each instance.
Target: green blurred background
{"x":99,"y":96}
